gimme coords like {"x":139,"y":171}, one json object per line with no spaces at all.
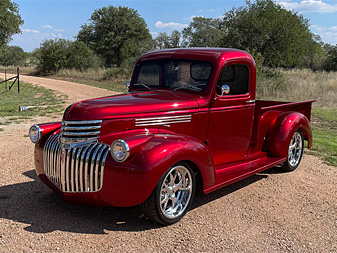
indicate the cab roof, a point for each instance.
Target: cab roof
{"x":215,"y":55}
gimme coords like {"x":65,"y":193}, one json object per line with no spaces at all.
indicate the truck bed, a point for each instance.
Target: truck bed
{"x":303,"y":107}
{"x":266,"y":111}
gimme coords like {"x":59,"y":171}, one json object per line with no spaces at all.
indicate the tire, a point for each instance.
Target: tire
{"x":295,"y":152}
{"x":172,"y":196}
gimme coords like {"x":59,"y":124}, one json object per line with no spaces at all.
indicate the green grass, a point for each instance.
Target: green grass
{"x":30,"y":95}
{"x":324,"y":126}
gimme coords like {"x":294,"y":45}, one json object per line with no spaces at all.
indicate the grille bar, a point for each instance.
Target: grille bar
{"x":76,"y":134}
{"x":77,"y":169}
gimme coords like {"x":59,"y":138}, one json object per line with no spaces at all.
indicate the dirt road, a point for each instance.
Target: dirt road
{"x":74,"y":91}
{"x":271,"y":211}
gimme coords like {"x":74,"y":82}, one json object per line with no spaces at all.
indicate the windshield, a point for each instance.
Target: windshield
{"x":173,"y":74}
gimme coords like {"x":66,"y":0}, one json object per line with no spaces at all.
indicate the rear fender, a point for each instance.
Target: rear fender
{"x":281,"y":131}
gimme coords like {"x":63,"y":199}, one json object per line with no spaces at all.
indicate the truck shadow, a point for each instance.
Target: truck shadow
{"x":32,"y":203}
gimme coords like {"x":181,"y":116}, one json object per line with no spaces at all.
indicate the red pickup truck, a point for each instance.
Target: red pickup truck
{"x":190,"y":117}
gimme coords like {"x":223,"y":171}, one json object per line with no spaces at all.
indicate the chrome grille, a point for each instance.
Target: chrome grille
{"x":79,"y":133}
{"x":76,"y":169}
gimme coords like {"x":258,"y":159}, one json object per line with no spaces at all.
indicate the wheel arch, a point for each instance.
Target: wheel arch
{"x":196,"y":170}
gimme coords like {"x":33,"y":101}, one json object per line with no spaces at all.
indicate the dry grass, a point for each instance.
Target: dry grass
{"x":12,"y":69}
{"x":90,"y":74}
{"x":298,"y":85}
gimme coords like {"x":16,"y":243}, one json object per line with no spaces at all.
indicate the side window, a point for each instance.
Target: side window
{"x":236,"y":77}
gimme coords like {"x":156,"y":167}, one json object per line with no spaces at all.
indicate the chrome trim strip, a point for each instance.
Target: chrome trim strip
{"x":163,"y":120}
{"x":77,"y":169}
{"x":164,"y":123}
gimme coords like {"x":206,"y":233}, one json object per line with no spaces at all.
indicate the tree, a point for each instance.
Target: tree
{"x":175,"y":39}
{"x":116,"y":34}
{"x":281,"y":36}
{"x":10,"y":21}
{"x":163,"y":40}
{"x":203,"y":32}
{"x":330,"y":63}
{"x":12,"y":56}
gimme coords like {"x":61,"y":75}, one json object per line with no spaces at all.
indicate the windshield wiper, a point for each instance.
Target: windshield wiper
{"x":144,"y":85}
{"x":188,"y":87}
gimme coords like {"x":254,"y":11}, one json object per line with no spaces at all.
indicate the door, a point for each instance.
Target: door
{"x":231,"y":115}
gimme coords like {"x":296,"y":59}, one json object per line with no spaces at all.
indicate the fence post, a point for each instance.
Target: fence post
{"x":18,"y":72}
{"x":6,"y":77}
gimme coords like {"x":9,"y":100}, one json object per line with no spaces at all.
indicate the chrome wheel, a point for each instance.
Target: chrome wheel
{"x":176,"y":191}
{"x":295,"y":149}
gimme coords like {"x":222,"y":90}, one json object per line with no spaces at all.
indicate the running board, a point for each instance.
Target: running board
{"x":232,"y":174}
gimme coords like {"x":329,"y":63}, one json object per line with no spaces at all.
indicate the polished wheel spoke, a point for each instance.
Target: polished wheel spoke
{"x":187,"y":188}
{"x":165,"y":199}
{"x":295,"y":149}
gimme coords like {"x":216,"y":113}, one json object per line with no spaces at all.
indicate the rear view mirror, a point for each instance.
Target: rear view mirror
{"x":224,"y":89}
{"x":127,"y":86}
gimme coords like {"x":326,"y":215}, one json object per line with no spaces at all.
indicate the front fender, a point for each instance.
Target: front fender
{"x":47,"y":129}
{"x":133,"y":181}
{"x":281,"y":131}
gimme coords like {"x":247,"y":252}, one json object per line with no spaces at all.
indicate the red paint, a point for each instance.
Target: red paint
{"x":226,"y":139}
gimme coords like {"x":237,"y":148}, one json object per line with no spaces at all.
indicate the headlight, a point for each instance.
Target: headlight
{"x":120,"y":150}
{"x":35,"y":134}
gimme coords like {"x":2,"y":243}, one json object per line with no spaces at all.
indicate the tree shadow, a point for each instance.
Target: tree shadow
{"x":43,"y":211}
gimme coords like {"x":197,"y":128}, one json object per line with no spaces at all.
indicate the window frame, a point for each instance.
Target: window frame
{"x":239,"y":62}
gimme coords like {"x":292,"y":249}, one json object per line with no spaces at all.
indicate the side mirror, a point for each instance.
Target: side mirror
{"x":127,"y":86}
{"x":224,"y":89}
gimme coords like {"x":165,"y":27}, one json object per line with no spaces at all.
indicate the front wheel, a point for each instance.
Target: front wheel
{"x":172,"y":196}
{"x":295,"y":152}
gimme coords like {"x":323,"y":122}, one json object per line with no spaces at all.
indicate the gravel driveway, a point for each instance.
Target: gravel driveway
{"x":271,"y":211}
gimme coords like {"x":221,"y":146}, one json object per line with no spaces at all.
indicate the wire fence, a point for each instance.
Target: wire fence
{"x":14,"y":79}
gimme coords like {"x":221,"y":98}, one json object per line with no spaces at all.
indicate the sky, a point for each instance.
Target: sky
{"x":50,"y":19}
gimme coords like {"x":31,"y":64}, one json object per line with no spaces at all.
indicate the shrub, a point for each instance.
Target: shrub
{"x":54,"y":55}
{"x":81,"y":57}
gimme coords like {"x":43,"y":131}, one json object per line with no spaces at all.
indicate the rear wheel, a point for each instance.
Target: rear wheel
{"x":172,"y":196}
{"x":295,"y":152}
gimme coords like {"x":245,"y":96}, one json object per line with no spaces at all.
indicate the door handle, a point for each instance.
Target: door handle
{"x":250,"y":101}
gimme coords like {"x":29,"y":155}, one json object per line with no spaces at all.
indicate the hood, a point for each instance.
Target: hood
{"x":134,"y":103}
